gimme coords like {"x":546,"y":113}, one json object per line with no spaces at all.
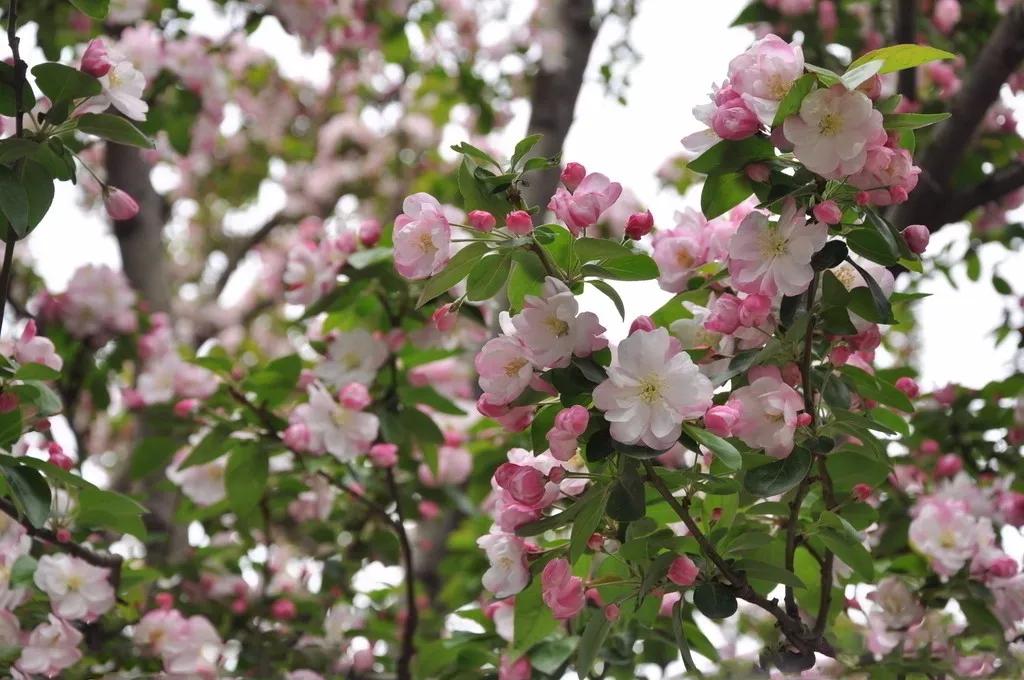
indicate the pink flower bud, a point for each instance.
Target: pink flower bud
{"x":724,"y":316}
{"x":95,"y":61}
{"x":827,"y":212}
{"x":164,"y":600}
{"x":755,"y":310}
{"x":734,"y":121}
{"x":791,"y":374}
{"x":526,"y":485}
{"x":572,"y":175}
{"x":306,"y":378}
{"x":428,"y":510}
{"x":54,"y":449}
{"x":186,"y":407}
{"x":444,"y":318}
{"x":8,"y":402}
{"x":519,"y":222}
{"x":595,"y":542}
{"x":948,"y":465}
{"x":945,"y":395}
{"x":354,"y":396}
{"x":481,"y":220}
{"x":898,"y":195}
{"x":757,"y":172}
{"x":930,"y":447}
{"x":828,"y":18}
{"x":721,"y":419}
{"x":639,"y":225}
{"x":488,"y":408}
{"x":297,"y":437}
{"x":369,"y":233}
{"x":573,"y":420}
{"x":556,"y":475}
{"x":642,"y":323}
{"x":384,"y":455}
{"x":63,"y":535}
{"x":682,"y":571}
{"x":42,"y":425}
{"x":611,"y":612}
{"x":803,"y":420}
{"x":362,"y":660}
{"x":862,"y":492}
{"x":239,"y":606}
{"x":283,"y":609}
{"x":839,"y":355}
{"x":62,"y":461}
{"x":917,"y":237}
{"x":872,"y":87}
{"x":119,"y":205}
{"x":863,"y":198}
{"x":908,"y":386}
{"x":1003,"y":567}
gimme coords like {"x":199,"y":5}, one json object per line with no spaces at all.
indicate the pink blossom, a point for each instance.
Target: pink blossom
{"x":98,"y":300}
{"x":77,"y":589}
{"x":775,"y":257}
{"x":96,"y":61}
{"x":764,"y":73}
{"x":481,"y":220}
{"x":553,"y":329}
{"x":195,"y":651}
{"x":343,"y":432}
{"x":828,"y":18}
{"x":352,"y":357}
{"x":526,"y":485}
{"x":505,"y":369}
{"x":639,"y":225}
{"x":569,"y":424}
{"x":641,"y":323}
{"x":572,"y":175}
{"x":120,"y":206}
{"x":158,"y":626}
{"x":721,"y":419}
{"x":51,"y":647}
{"x":1011,"y":506}
{"x":916,"y":237}
{"x":888,"y":174}
{"x":833,"y":131}
{"x":899,"y":606}
{"x":202,"y":484}
{"x":755,"y":311}
{"x":297,"y":437}
{"x":682,"y":571}
{"x":682,"y":250}
{"x":651,"y":388}
{"x":454,"y":464}
{"x":384,"y":455}
{"x":369,"y":233}
{"x":946,"y":15}
{"x":444,"y":318}
{"x":827,"y":212}
{"x":355,"y":396}
{"x":723,"y":314}
{"x":508,"y":573}
{"x":948,"y":465}
{"x":732,"y":118}
{"x":908,"y":386}
{"x":35,"y":349}
{"x":944,"y":532}
{"x":519,"y":222}
{"x":768,"y":409}
{"x":583,"y":207}
{"x":511,"y":668}
{"x":307,"y":274}
{"x":561,"y":591}
{"x":422,"y":237}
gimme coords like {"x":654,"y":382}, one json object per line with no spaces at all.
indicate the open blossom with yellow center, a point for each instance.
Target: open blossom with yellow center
{"x":77,"y":589}
{"x":833,"y":131}
{"x":652,"y":387}
{"x":352,"y":357}
{"x":553,"y":328}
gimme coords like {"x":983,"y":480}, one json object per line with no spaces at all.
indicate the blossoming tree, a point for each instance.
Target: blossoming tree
{"x":411,"y":386}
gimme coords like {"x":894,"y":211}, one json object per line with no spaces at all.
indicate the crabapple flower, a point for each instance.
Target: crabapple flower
{"x":569,"y":424}
{"x":505,"y":369}
{"x":51,"y":647}
{"x":342,"y":432}
{"x":202,"y":484}
{"x":526,"y":485}
{"x":732,"y":119}
{"x":639,"y":224}
{"x":721,"y":419}
{"x":481,"y":220}
{"x":767,"y":412}
{"x":511,"y":668}
{"x":652,"y":387}
{"x":35,"y":349}
{"x":681,"y":251}
{"x":422,"y":237}
{"x":98,"y":300}
{"x":195,"y":651}
{"x":916,"y":237}
{"x":583,"y":206}
{"x":833,"y":131}
{"x":307,"y":274}
{"x":944,"y":531}
{"x":77,"y":589}
{"x":122,"y":87}
{"x":900,"y":608}
{"x":95,"y":60}
{"x":519,"y":222}
{"x":561,"y":591}
{"x":572,"y":175}
{"x":682,"y":571}
{"x":888,"y":175}
{"x":454,"y":464}
{"x":946,"y":15}
{"x":119,"y":204}
{"x":775,"y":257}
{"x":508,"y":573}
{"x":156,"y":628}
{"x":553,"y":329}
{"x":827,"y":212}
{"x":764,"y":74}
{"x":352,"y":357}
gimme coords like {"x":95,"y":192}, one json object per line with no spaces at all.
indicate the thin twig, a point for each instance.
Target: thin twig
{"x":411,"y":611}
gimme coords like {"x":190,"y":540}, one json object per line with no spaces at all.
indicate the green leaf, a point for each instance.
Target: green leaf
{"x":912,"y":121}
{"x":770,"y":573}
{"x":275,"y":381}
{"x":458,"y":268}
{"x":40,"y":395}
{"x":732,"y":156}
{"x":33,"y":371}
{"x":15,"y":148}
{"x":714,"y":600}
{"x":22,"y":572}
{"x":38,"y":185}
{"x":723,"y":192}
{"x":873,"y":246}
{"x":113,"y":128}
{"x":856,"y":75}
{"x":611,"y":294}
{"x":542,"y":423}
{"x":723,"y":450}
{"x":560,"y":519}
{"x":825,"y":77}
{"x":14,"y":201}
{"x":587,"y":520}
{"x":591,"y":642}
{"x":847,"y":468}
{"x":245,"y":478}
{"x":790,"y":104}
{"x":7,"y":100}
{"x":637,"y":267}
{"x":598,"y":249}
{"x":626,"y":501}
{"x":108,"y":509}
{"x":211,"y":447}
{"x":549,"y":655}
{"x":899,"y":57}
{"x":30,"y":490}
{"x":97,"y":9}
{"x":523,"y":147}
{"x":467,"y":149}
{"x":879,"y":310}
{"x":875,"y":388}
{"x":152,"y":454}
{"x":63,"y":83}
{"x":476,"y":196}
{"x":533,"y":620}
{"x":600,"y":446}
{"x":779,"y":476}
{"x":849,"y":551}
{"x":430,"y":397}
{"x":488,"y":276}
{"x":10,"y":427}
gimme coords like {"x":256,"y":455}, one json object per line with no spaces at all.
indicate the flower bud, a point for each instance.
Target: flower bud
{"x":862,"y":491}
{"x":369,"y":233}
{"x":595,"y":542}
{"x":930,"y":447}
{"x":283,"y":609}
{"x":572,"y":175}
{"x":724,"y":315}
{"x":827,"y":212}
{"x":239,"y":606}
{"x":611,"y":612}
{"x":526,"y":485}
{"x":384,"y":455}
{"x":164,"y":600}
{"x":481,"y":220}
{"x":573,"y":420}
{"x":682,"y":571}
{"x":8,"y":402}
{"x":186,"y":407}
{"x":556,"y":475}
{"x":755,"y":310}
{"x":948,"y":465}
{"x":428,"y":510}
{"x":63,"y":535}
{"x":757,"y":172}
{"x":863,"y":198}
{"x":444,"y":318}
{"x":721,"y":419}
{"x":519,"y":222}
{"x":639,"y":225}
{"x":119,"y":205}
{"x":917,"y":237}
{"x":804,"y":419}
{"x":95,"y":61}
{"x":296,"y":437}
{"x":908,"y":386}
{"x":62,"y":461}
{"x":354,"y":396}
{"x":641,"y":323}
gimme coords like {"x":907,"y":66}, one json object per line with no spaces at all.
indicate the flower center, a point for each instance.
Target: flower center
{"x":340,"y":417}
{"x":427,"y":243}
{"x":649,"y":389}
{"x":351,"y":361}
{"x":512,"y":367}
{"x":773,"y":243}
{"x":559,"y":327}
{"x":683,"y":258}
{"x":830,"y":124}
{"x":778,"y":87}
{"x":74,"y":582}
{"x":947,"y":539}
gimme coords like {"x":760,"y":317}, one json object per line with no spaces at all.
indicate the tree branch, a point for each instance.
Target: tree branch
{"x":1003,"y":181}
{"x":238,"y":253}
{"x":929,"y":202}
{"x":411,"y":611}
{"x":905,"y":32}
{"x":555,"y":90}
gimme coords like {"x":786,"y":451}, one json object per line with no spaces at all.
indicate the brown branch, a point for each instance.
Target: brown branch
{"x":828,"y":561}
{"x":411,"y":611}
{"x":1001,"y":55}
{"x":791,"y":627}
{"x":1003,"y":181}
{"x":905,"y":31}
{"x":555,"y":91}
{"x":239,"y":252}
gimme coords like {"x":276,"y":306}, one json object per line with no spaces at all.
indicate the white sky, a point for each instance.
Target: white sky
{"x":684,"y":50}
